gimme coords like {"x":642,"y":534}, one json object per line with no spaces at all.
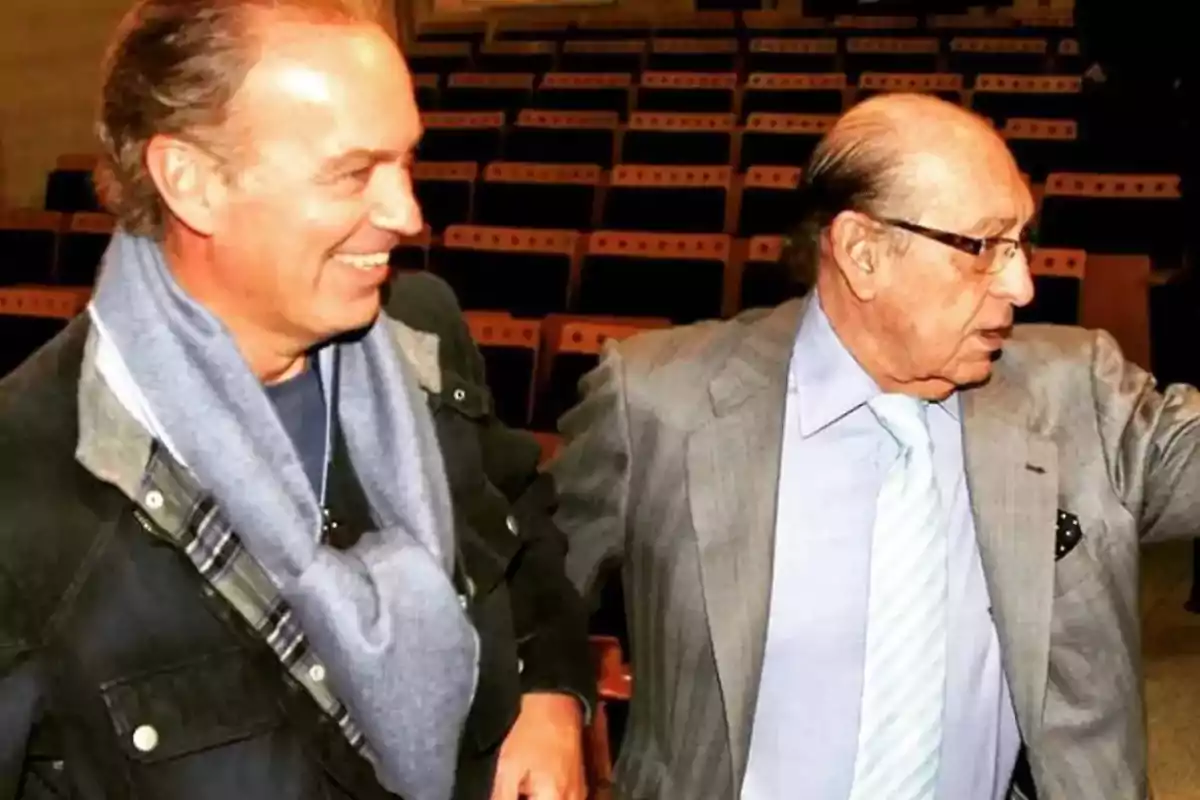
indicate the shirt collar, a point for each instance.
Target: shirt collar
{"x":825,"y":380}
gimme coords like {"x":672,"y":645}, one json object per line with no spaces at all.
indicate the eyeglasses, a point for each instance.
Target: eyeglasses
{"x":999,"y":250}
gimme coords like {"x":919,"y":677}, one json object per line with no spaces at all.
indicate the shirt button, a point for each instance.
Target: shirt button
{"x":520,"y":665}
{"x":316,"y":673}
{"x":460,"y":395}
{"x":513,"y":526}
{"x":145,"y":738}
{"x":154,"y":500}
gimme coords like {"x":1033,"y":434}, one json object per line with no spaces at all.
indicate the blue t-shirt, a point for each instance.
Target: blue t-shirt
{"x":300,"y":403}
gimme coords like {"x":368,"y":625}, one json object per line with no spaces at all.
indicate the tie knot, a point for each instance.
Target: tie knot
{"x":904,"y":418}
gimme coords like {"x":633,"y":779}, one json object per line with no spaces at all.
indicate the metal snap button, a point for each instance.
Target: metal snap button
{"x":145,"y":738}
{"x":460,"y":395}
{"x":154,"y":500}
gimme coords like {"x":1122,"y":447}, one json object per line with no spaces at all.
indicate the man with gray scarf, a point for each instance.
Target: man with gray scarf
{"x":259,"y":541}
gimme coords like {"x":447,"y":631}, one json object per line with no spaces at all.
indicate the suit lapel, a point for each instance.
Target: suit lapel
{"x":1012,"y":473}
{"x":733,"y":477}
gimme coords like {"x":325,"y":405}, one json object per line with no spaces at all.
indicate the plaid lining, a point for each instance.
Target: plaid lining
{"x":172,"y":507}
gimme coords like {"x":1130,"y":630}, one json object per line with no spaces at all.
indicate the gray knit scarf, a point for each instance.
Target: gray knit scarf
{"x":384,"y":616}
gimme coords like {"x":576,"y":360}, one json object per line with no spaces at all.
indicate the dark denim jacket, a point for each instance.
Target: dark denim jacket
{"x":103,"y":625}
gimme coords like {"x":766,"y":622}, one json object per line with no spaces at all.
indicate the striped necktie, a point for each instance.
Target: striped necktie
{"x":904,"y":678}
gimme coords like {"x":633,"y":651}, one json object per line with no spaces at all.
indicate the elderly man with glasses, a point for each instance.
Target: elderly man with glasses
{"x":865,"y":555}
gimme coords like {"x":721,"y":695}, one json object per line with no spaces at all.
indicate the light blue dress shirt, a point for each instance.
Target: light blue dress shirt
{"x":835,"y":458}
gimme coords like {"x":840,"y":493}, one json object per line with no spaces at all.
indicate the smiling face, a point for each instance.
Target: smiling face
{"x":324,"y":126}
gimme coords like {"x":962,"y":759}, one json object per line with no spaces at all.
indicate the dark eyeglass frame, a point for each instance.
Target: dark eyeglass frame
{"x":971,"y":245}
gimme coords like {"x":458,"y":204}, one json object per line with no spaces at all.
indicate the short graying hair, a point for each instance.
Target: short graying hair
{"x":856,"y":168}
{"x":173,"y":68}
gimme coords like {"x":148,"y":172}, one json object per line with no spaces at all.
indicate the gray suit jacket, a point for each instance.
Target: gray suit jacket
{"x":671,"y":468}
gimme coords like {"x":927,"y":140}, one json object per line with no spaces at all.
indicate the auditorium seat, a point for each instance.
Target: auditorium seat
{"x":1009,"y":55}
{"x":604,"y":56}
{"x":946,"y":85}
{"x":1042,"y":146}
{"x":1058,"y":282}
{"x":702,"y":24}
{"x":412,"y":253}
{"x":538,"y":195}
{"x":487,"y":91}
{"x":461,"y":136}
{"x":438,"y":58}
{"x":780,"y":93}
{"x":890,"y":54}
{"x":1115,"y":215}
{"x":425,"y":86}
{"x":571,"y":347}
{"x":700,"y":92}
{"x":781,"y":24}
{"x":792,"y":55}
{"x":517,"y":56}
{"x":765,"y":280}
{"x":974,"y":25}
{"x":531,"y":29}
{"x":678,"y":138}
{"x":1068,"y":58}
{"x":612,"y":26}
{"x":585,"y":91}
{"x":28,"y":242}
{"x":782,"y":139}
{"x":632,"y":274}
{"x":444,"y":190}
{"x":677,"y":199}
{"x":69,"y":186}
{"x":693,"y":55}
{"x":769,"y":197}
{"x":30,"y":316}
{"x":82,"y":247}
{"x":893,"y":25}
{"x":525,"y":271}
{"x":1040,"y":96}
{"x":510,"y":353}
{"x":563,"y":137}
{"x":472,"y":31}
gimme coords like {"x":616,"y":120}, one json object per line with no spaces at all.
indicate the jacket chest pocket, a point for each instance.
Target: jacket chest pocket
{"x":212,"y":702}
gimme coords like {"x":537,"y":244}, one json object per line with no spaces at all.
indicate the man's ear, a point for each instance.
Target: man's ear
{"x":188,"y":180}
{"x":854,"y":244}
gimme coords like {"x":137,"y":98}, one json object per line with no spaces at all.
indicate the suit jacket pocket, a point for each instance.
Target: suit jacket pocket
{"x":216,"y":700}
{"x":1075,"y":566}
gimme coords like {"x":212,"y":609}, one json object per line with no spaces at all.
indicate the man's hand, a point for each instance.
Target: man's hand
{"x":542,"y":758}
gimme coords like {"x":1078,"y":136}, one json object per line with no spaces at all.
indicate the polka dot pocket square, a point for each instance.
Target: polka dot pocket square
{"x":1068,"y":535}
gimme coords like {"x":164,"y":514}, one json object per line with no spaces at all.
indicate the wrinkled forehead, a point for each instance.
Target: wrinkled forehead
{"x":967,"y":185}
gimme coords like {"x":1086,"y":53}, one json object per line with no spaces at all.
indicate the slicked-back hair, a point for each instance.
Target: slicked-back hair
{"x":173,"y":68}
{"x":854,"y":170}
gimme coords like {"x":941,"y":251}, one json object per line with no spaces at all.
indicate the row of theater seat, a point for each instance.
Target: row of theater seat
{"x":855,"y":55}
{"x":534,"y":366}
{"x":536,"y":356}
{"x":999,"y":96}
{"x":1118,"y":214}
{"x":49,"y":247}
{"x":746,"y":25}
{"x":1100,"y":213}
